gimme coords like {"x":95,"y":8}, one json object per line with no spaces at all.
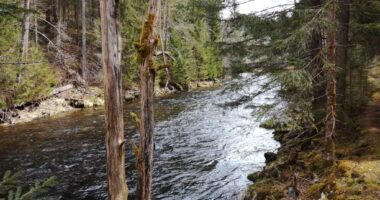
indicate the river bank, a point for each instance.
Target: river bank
{"x":69,"y":98}
{"x":298,"y":170}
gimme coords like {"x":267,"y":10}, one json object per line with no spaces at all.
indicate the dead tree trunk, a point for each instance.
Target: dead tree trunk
{"x":330,"y":75}
{"x":166,"y":39}
{"x":36,"y":23}
{"x":115,"y":142}
{"x":84,"y":45}
{"x":25,"y":30}
{"x":59,"y":32}
{"x":146,"y":48}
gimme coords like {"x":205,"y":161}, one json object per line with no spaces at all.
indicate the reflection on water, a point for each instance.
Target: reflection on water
{"x":203,"y":150}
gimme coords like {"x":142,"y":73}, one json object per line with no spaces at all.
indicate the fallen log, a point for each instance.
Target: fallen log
{"x":61,"y":89}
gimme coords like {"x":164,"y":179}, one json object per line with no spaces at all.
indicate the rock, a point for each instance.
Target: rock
{"x":88,"y":103}
{"x":130,"y":95}
{"x":269,"y":157}
{"x":99,"y":102}
{"x":192,"y":86}
{"x":254,"y":176}
{"x":76,"y":103}
{"x":292,"y":193}
{"x":163,"y":91}
{"x":205,"y":84}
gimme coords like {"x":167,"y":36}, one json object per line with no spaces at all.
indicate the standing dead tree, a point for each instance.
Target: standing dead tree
{"x":84,"y":44}
{"x":115,"y":142}
{"x":146,"y":47}
{"x":25,"y":30}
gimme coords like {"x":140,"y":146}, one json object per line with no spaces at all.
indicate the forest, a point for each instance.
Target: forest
{"x":189,"y":99}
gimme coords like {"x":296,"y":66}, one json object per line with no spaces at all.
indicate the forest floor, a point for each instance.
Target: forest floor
{"x":359,"y":157}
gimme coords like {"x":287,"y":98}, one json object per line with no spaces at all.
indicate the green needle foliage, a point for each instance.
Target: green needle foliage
{"x":10,"y":188}
{"x":22,"y":80}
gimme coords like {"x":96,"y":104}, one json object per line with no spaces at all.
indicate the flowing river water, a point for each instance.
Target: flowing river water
{"x":203,"y":149}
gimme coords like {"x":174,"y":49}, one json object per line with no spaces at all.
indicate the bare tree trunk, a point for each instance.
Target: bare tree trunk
{"x":148,"y":42}
{"x":25,"y":30}
{"x":59,"y":22}
{"x":166,"y":24}
{"x":115,"y":142}
{"x":36,"y":22}
{"x":166,"y":39}
{"x":47,"y":19}
{"x":59,"y":31}
{"x":330,"y":74}
{"x":78,"y":20}
{"x":84,"y":46}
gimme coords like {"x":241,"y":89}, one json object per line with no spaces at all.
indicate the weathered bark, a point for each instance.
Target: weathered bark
{"x":330,"y":74}
{"x":343,"y":18}
{"x":115,"y":142}
{"x":148,"y":42}
{"x":84,"y":46}
{"x":25,"y":30}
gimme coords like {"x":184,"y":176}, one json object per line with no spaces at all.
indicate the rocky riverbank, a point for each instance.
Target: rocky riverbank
{"x":64,"y":99}
{"x":69,"y":98}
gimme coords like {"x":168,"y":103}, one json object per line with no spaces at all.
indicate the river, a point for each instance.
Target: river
{"x":203,"y":148}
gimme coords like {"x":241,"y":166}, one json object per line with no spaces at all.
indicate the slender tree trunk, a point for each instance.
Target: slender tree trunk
{"x":148,"y":42}
{"x":48,"y":19}
{"x":330,"y":74}
{"x":115,"y":142}
{"x":84,"y":46}
{"x":59,"y":22}
{"x":166,"y":39}
{"x":25,"y":30}
{"x":36,"y":22}
{"x":166,"y":24}
{"x":92,"y":13}
{"x":59,"y":31}
{"x":343,"y":18}
{"x":78,"y":19}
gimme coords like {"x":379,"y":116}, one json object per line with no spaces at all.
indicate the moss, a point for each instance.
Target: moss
{"x":264,"y":189}
{"x":254,"y":176}
{"x":315,"y":189}
{"x":144,"y":48}
{"x":358,"y":180}
{"x":274,"y":124}
{"x":163,"y":66}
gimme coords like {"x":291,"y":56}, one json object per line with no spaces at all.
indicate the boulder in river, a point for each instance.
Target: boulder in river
{"x":269,"y":157}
